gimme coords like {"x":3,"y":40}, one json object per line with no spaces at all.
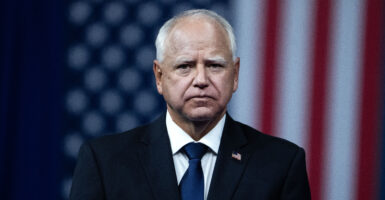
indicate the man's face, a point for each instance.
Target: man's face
{"x":198,"y":75}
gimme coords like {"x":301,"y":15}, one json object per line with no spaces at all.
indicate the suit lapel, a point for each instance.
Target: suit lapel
{"x":156,"y":159}
{"x":228,"y":170}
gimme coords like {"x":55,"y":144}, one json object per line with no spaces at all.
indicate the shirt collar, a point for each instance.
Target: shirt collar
{"x":179,"y":138}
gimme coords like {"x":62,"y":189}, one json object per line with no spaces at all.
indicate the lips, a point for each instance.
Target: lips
{"x":200,"y":97}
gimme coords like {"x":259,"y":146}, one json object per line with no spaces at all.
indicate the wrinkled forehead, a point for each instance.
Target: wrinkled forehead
{"x":196,"y":32}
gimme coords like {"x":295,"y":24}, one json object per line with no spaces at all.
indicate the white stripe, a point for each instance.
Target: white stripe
{"x":343,"y":101}
{"x":293,"y":70}
{"x":248,"y":17}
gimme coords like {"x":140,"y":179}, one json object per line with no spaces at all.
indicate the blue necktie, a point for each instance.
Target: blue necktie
{"x":192,"y":184}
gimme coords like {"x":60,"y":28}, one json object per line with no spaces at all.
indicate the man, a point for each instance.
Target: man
{"x":195,"y":150}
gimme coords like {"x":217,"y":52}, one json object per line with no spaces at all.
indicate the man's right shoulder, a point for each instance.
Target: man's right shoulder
{"x":128,"y":141}
{"x":118,"y":142}
{"x":132,"y":135}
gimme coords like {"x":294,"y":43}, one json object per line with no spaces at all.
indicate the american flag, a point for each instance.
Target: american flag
{"x":236,"y":156}
{"x":311,"y":72}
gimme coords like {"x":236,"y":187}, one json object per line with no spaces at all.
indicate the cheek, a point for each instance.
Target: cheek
{"x":225,"y":84}
{"x":175,"y":86}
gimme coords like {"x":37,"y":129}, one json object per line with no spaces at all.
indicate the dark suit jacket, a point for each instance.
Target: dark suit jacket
{"x":138,"y":164}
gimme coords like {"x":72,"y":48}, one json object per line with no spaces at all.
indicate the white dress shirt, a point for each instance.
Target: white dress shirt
{"x":179,"y":138}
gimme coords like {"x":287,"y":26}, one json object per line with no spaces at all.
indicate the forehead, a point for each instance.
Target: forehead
{"x":197,"y":34}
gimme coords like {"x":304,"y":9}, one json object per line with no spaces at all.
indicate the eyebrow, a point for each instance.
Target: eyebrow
{"x":215,"y":59}
{"x":183,"y":60}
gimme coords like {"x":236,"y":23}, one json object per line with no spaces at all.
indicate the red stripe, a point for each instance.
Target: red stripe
{"x":269,"y":65}
{"x":318,"y":94}
{"x":370,"y":103}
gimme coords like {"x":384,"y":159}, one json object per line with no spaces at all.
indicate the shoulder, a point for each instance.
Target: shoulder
{"x":113,"y":144}
{"x":275,"y":164}
{"x":267,"y":143}
{"x":119,"y":139}
{"x":130,"y":138}
{"x":273,"y":153}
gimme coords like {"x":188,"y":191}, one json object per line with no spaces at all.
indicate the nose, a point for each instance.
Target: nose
{"x":201,"y":78}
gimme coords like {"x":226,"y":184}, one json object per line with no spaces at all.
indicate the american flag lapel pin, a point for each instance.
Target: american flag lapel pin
{"x":236,"y":155}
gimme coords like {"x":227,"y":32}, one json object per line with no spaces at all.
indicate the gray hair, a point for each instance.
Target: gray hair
{"x":166,"y":28}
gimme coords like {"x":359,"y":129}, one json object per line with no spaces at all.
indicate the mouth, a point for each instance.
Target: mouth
{"x":200,"y":97}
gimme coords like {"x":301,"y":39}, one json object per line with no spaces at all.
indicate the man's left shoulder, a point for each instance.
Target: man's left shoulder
{"x":264,"y":142}
{"x":276,"y":168}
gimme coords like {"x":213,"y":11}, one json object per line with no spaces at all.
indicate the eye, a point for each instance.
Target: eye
{"x":183,"y":66}
{"x":215,"y":65}
{"x":183,"y":69}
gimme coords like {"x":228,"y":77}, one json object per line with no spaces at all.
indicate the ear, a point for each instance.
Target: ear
{"x":236,"y":73}
{"x":158,"y":76}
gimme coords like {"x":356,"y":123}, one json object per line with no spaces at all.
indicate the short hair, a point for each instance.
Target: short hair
{"x":167,"y":27}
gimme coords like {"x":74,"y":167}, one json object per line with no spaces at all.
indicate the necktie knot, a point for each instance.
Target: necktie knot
{"x":195,"y":150}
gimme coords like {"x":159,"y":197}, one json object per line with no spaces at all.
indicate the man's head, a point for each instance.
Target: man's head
{"x":197,"y":13}
{"x":196,"y":70}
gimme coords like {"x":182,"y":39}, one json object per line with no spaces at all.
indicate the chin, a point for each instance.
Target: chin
{"x":202,"y":115}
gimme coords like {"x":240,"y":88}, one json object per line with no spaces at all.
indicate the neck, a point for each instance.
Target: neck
{"x":196,"y":129}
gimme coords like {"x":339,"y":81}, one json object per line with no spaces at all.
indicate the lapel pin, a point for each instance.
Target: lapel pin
{"x":236,"y":156}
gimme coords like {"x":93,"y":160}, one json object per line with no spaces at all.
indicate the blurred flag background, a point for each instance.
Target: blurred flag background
{"x":312,"y":72}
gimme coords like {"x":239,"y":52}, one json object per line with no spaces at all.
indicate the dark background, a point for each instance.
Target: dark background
{"x":71,"y":71}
